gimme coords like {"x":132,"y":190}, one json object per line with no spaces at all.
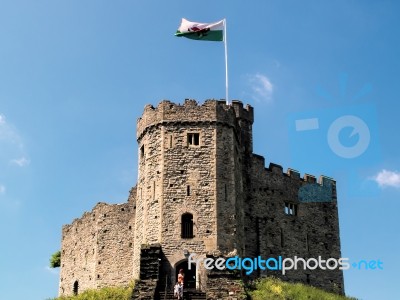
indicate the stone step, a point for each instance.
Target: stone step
{"x":186,"y":296}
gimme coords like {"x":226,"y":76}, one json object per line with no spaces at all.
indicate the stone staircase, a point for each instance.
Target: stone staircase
{"x":221,"y":284}
{"x":187,"y":295}
{"x":147,"y":287}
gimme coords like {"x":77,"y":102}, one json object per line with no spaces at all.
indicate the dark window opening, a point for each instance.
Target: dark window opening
{"x":76,"y":288}
{"x":188,"y":190}
{"x":226,"y":193}
{"x":187,"y":226}
{"x":193,"y":139}
{"x":142,"y":152}
{"x":290,"y":209}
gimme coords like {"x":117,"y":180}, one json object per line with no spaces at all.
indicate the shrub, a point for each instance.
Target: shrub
{"x":55,"y":260}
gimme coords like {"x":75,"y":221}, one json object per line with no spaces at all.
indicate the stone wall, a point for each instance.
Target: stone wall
{"x":312,"y":231}
{"x":114,"y":261}
{"x":97,"y":249}
{"x":78,"y":253}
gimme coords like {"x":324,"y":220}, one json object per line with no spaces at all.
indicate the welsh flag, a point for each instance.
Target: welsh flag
{"x":202,"y":31}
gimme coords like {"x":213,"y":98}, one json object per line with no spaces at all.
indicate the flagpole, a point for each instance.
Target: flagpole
{"x":226,"y":65}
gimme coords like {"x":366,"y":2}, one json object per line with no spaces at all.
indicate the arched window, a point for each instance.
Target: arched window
{"x":76,"y":288}
{"x":187,"y":226}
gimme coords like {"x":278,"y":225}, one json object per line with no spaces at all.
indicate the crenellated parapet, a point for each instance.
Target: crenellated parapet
{"x":310,"y":189}
{"x":243,"y":113}
{"x":211,"y":111}
{"x":259,"y":161}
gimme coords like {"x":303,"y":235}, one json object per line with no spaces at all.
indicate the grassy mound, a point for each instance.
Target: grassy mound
{"x":272,"y":288}
{"x":108,"y":293}
{"x":265,"y":289}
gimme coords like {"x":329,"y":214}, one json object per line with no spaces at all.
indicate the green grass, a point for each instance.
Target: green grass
{"x":107,"y":293}
{"x":272,"y":288}
{"x":265,"y":289}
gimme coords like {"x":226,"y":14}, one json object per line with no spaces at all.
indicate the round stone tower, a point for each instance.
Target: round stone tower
{"x":190,"y":189}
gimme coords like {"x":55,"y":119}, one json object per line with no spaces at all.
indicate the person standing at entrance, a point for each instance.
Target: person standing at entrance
{"x":178,"y":290}
{"x":181,"y":277}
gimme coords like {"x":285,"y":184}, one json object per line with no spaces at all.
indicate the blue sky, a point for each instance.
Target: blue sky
{"x":75,"y":76}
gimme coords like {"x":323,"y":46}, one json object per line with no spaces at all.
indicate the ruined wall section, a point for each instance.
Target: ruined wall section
{"x":95,"y":249}
{"x":114,"y":259}
{"x":78,"y":254}
{"x":311,"y":231}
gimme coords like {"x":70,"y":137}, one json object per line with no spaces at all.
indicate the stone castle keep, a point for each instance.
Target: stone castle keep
{"x":202,"y":190}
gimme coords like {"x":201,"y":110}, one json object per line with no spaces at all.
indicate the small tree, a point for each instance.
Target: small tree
{"x":55,"y":260}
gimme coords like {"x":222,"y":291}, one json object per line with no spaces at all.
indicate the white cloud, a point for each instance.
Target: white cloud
{"x":2,"y":189}
{"x":261,"y":87}
{"x":23,"y":161}
{"x":54,"y":271}
{"x":12,"y":148}
{"x":8,"y":134}
{"x":388,"y":178}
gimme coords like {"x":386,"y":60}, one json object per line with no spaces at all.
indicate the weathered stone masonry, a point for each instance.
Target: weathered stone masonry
{"x":202,"y":190}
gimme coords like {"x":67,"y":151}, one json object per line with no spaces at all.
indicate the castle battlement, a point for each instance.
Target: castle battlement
{"x":276,"y":169}
{"x":191,"y":111}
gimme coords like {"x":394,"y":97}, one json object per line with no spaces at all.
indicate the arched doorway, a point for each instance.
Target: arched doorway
{"x":76,"y":288}
{"x":190,"y":275}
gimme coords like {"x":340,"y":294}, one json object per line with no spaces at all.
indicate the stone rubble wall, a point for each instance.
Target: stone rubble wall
{"x":97,"y":249}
